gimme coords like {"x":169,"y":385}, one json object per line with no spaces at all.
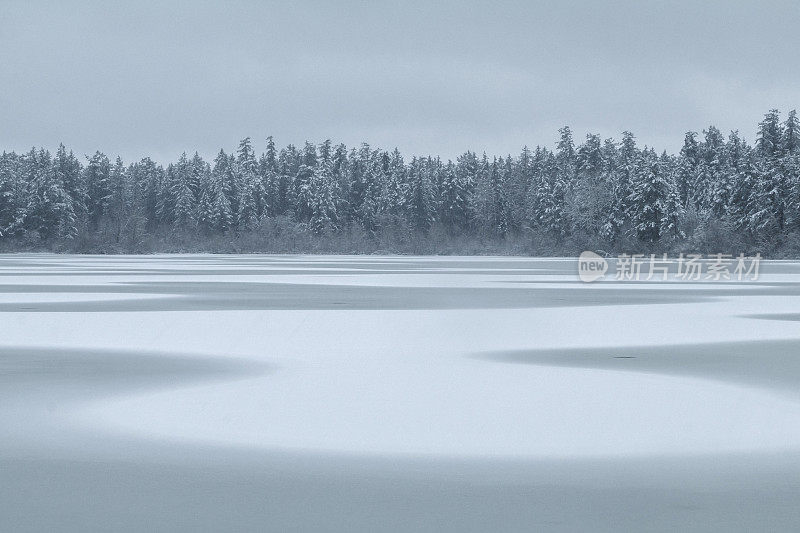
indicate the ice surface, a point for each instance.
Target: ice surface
{"x":384,"y":393}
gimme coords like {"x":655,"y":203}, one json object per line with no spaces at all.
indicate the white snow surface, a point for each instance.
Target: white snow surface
{"x":371,"y":377}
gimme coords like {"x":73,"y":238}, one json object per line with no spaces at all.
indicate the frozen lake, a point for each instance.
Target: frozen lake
{"x":341,"y":393}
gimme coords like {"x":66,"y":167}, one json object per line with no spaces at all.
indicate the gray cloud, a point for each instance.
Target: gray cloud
{"x":152,"y":79}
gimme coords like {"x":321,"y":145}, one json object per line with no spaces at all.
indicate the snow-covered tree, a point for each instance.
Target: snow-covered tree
{"x":12,"y":198}
{"x":454,"y":208}
{"x":419,"y":196}
{"x":69,"y":173}
{"x":622,"y":166}
{"x":49,"y":208}
{"x":184,"y":207}
{"x":651,"y":198}
{"x":97,"y":187}
{"x":122,"y":208}
{"x":591,"y":198}
{"x":322,"y":195}
{"x":250,"y":194}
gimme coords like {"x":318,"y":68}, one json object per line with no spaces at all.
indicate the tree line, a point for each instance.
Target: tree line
{"x":600,"y":194}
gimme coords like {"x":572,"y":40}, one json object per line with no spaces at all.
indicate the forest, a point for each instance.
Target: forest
{"x":717,"y":195}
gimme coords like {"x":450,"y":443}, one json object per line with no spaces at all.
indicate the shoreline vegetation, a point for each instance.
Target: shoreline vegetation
{"x":718,"y":195}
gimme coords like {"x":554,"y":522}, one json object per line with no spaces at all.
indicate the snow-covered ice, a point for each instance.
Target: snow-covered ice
{"x":393,"y":393}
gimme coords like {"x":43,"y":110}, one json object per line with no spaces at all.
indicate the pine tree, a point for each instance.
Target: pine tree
{"x":688,"y":170}
{"x":790,"y":141}
{"x":419,"y":197}
{"x":481,"y":205}
{"x":12,"y":211}
{"x":556,"y":178}
{"x":288,"y":167}
{"x":455,"y":198}
{"x":204,"y":206}
{"x":772,"y":187}
{"x":591,"y":198}
{"x":148,"y":179}
{"x":360,"y":179}
{"x":121,"y":201}
{"x":394,"y":193}
{"x":790,"y":167}
{"x":555,"y":218}
{"x":302,"y":195}
{"x":770,"y":135}
{"x":322,"y":194}
{"x":519,"y":176}
{"x":97,"y":187}
{"x":743,"y":206}
{"x":268,"y":173}
{"x":49,"y":208}
{"x":673,"y":209}
{"x":622,"y":166}
{"x":70,"y":173}
{"x":713,"y":176}
{"x":250,"y":194}
{"x":497,"y":221}
{"x":219,"y":216}
{"x":184,"y":208}
{"x":650,"y":199}
{"x":198,"y":168}
{"x":374,"y":185}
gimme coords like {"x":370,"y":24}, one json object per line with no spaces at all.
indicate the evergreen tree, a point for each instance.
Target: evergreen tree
{"x":268,"y":173}
{"x":49,"y":208}
{"x":519,"y":176}
{"x":198,"y":168}
{"x":70,"y":174}
{"x":219,"y":214}
{"x":622,"y":166}
{"x":455,"y":198}
{"x":148,"y":180}
{"x":288,"y":167}
{"x":591,"y":196}
{"x":790,"y":168}
{"x":121,"y":206}
{"x":322,"y":193}
{"x":772,"y":187}
{"x":250,"y":200}
{"x":394,"y":192}
{"x":713,"y":175}
{"x":743,"y":206}
{"x":650,"y":199}
{"x":419,"y":197}
{"x":184,"y":208}
{"x":688,"y":170}
{"x":12,"y":211}
{"x":481,"y":205}
{"x":97,"y":187}
{"x":673,"y":209}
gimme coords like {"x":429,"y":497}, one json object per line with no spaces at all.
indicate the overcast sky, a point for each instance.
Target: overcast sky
{"x":139,"y":78}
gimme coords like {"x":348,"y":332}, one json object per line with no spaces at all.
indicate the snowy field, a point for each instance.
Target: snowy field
{"x":319,"y":393}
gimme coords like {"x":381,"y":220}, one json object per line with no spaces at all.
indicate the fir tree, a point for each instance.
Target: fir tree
{"x":12,"y":212}
{"x":322,"y":193}
{"x":97,"y":187}
{"x":121,"y":204}
{"x":184,"y":208}
{"x":70,"y":173}
{"x":455,"y":198}
{"x":419,"y":197}
{"x":650,"y":199}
